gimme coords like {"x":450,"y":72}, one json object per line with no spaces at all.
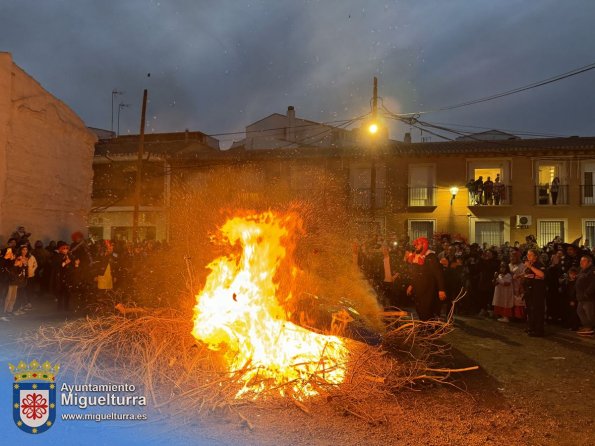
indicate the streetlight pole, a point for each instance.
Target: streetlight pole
{"x":373,"y":165}
{"x":139,"y":173}
{"x":120,"y":107}
{"x":115,"y":92}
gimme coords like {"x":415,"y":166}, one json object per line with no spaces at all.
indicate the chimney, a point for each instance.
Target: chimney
{"x":290,"y":123}
{"x":407,"y":138}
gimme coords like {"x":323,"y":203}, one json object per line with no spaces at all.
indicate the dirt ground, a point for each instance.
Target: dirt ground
{"x":528,"y":391}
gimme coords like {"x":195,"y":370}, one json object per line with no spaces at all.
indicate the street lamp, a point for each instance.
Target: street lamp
{"x":115,"y":92}
{"x":120,"y":107}
{"x":454,"y":190}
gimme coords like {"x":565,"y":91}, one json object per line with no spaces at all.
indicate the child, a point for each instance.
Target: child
{"x":503,"y":301}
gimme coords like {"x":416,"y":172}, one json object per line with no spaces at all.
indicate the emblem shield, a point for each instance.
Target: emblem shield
{"x":34,"y":406}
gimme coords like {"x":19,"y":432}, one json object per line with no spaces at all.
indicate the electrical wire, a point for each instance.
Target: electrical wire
{"x":530,"y":86}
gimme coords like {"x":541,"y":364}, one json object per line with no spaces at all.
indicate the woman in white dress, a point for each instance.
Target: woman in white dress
{"x":503,"y":301}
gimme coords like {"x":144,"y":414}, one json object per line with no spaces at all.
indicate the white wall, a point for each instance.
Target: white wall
{"x":46,"y":156}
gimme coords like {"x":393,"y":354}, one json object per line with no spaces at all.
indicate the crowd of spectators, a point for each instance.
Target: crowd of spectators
{"x":72,"y":274}
{"x":540,"y":285}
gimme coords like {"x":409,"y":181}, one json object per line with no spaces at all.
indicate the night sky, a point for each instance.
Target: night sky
{"x":216,"y":66}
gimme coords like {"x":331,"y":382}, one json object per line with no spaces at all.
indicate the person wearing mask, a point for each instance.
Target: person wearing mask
{"x":427,"y":280}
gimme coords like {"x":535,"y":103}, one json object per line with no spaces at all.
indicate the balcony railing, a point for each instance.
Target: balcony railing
{"x":498,"y":197}
{"x":545,"y":195}
{"x":588,"y":194}
{"x":422,"y":196}
{"x":361,"y":198}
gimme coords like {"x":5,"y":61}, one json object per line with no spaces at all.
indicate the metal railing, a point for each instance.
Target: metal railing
{"x":545,"y":195}
{"x":362,"y":198}
{"x":422,"y":196}
{"x":587,"y":193}
{"x":499,"y":196}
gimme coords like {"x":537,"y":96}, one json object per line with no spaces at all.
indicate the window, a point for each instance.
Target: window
{"x":96,"y":232}
{"x":491,"y":169}
{"x":422,"y":184}
{"x":551,"y":187}
{"x":547,"y":230}
{"x":125,"y":233}
{"x":360,"y":179}
{"x":490,"y":232}
{"x":588,"y":185}
{"x":589,"y":232}
{"x":421,"y":228}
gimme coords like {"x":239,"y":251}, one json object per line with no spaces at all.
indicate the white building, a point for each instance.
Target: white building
{"x":279,"y":131}
{"x":46,"y":158}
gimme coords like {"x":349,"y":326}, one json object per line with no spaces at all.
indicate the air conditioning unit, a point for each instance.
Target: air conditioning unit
{"x":523,"y":220}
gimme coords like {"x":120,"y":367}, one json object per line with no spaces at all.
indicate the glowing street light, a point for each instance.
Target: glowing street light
{"x":454,"y":190}
{"x":373,"y":128}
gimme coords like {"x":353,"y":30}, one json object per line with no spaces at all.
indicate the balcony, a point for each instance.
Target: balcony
{"x":422,"y":196}
{"x":501,"y":198}
{"x":361,"y":198}
{"x":544,"y":196}
{"x":588,"y":194}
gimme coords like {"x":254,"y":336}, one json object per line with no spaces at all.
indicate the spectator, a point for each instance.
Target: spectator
{"x":503,"y":301}
{"x":555,"y":189}
{"x":585,"y":296}
{"x":499,"y":190}
{"x":534,"y":287}
{"x":479,"y":191}
{"x":488,"y":191}
{"x":571,"y":319}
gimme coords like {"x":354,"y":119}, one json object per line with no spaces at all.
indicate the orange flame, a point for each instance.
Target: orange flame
{"x":238,"y":309}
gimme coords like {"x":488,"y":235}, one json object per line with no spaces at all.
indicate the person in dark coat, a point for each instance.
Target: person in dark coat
{"x":427,"y":280}
{"x":534,"y":286}
{"x":585,"y":296}
{"x":61,"y":267}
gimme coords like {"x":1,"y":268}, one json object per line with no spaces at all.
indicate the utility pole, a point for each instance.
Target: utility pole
{"x":373,"y":158}
{"x":139,"y":170}
{"x":114,"y":93}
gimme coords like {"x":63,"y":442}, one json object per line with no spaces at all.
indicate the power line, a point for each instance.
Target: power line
{"x":314,"y":124}
{"x":530,"y":86}
{"x":516,"y":132}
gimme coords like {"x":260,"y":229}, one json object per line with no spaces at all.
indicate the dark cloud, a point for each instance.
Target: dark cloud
{"x":219,"y":65}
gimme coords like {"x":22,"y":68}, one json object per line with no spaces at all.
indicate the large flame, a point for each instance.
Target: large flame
{"x":238,"y":310}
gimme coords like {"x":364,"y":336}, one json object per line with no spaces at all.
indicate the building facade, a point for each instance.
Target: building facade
{"x":546,"y":186}
{"x":115,"y":167}
{"x":46,"y":156}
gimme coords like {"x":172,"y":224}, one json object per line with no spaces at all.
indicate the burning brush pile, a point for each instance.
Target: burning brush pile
{"x":281,"y":313}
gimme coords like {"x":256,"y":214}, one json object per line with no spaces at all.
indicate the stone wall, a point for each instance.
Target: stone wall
{"x":46,"y":156}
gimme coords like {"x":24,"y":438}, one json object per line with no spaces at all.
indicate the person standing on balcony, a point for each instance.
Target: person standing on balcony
{"x":488,"y":191}
{"x":554,"y":189}
{"x":471,"y":188}
{"x":479,"y":190}
{"x":499,"y":190}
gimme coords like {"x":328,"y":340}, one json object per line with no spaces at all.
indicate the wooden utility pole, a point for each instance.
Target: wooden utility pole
{"x":139,"y":170}
{"x":373,"y":157}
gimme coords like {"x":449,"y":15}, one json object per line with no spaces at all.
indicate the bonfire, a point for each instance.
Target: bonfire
{"x":239,"y":331}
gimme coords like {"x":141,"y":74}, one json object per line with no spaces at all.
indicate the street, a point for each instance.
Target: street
{"x":527,"y":391}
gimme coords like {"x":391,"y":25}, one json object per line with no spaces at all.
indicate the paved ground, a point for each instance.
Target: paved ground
{"x":530,"y":390}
